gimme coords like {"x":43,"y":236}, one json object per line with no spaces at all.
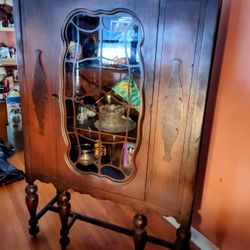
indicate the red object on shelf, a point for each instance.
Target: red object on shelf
{"x":7,"y":85}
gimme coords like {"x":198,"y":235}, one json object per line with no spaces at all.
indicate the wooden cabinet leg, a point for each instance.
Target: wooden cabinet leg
{"x":64,"y":212}
{"x":32,"y":203}
{"x":140,"y":233}
{"x":183,"y":236}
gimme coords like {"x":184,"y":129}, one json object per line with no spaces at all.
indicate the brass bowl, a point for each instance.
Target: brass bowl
{"x":112,"y":119}
{"x":111,"y":112}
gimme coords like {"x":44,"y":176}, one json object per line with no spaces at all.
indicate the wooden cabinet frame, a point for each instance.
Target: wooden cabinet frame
{"x":177,"y":50}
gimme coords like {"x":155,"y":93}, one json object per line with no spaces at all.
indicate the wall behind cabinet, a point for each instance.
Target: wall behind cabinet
{"x":222,"y":209}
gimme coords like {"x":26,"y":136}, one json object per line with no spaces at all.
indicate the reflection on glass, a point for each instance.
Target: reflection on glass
{"x":118,"y":22}
{"x":120,"y":40}
{"x":102,"y":92}
{"x":86,"y":22}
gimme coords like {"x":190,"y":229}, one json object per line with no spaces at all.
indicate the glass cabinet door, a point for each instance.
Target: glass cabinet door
{"x":102,"y":95}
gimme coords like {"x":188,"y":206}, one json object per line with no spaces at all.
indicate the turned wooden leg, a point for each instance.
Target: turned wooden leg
{"x":64,"y":212}
{"x":183,"y":236}
{"x":32,"y":202}
{"x":140,"y":232}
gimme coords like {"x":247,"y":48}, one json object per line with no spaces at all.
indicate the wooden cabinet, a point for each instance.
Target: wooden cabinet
{"x":113,"y":97}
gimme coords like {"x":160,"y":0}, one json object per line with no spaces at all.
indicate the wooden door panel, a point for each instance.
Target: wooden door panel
{"x":179,"y":60}
{"x":176,"y":68}
{"x":37,"y":89}
{"x":48,"y":27}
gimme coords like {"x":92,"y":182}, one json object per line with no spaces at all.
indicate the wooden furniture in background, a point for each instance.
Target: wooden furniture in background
{"x":3,"y":121}
{"x":173,"y":42}
{"x":7,"y":37}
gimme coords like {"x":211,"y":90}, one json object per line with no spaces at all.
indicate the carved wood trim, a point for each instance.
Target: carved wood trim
{"x":39,"y":92}
{"x":172,"y":107}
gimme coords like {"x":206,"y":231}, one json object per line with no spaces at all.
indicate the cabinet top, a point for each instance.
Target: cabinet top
{"x":7,"y":29}
{"x":9,"y":2}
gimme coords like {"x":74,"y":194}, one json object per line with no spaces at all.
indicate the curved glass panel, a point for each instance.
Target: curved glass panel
{"x":102,"y":93}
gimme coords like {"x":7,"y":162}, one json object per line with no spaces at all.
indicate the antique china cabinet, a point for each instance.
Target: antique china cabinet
{"x":113,"y":97}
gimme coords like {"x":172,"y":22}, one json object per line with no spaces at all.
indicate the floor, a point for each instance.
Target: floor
{"x":14,"y":221}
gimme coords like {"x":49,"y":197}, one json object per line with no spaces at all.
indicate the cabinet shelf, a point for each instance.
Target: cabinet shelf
{"x":8,"y":62}
{"x":88,"y":129}
{"x":104,"y":134}
{"x":7,"y":29}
